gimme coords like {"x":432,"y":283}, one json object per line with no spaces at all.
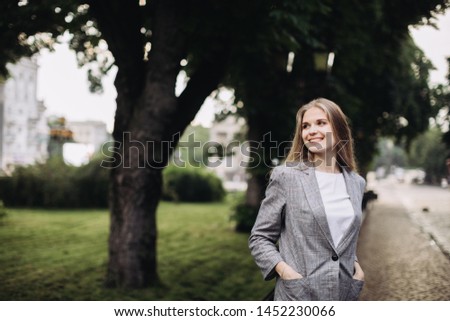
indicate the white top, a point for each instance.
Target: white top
{"x":338,"y":207}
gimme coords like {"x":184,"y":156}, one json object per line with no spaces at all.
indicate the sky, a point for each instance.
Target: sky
{"x":64,"y":88}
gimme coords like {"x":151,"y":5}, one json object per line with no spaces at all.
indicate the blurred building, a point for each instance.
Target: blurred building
{"x":59,"y":136}
{"x":89,"y":132}
{"x":229,"y":164}
{"x":88,"y":139}
{"x":24,"y":133}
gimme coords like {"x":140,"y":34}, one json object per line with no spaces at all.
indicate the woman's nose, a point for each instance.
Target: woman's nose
{"x":312,"y":129}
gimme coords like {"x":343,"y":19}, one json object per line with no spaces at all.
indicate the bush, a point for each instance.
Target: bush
{"x":58,"y":185}
{"x":245,"y":217}
{"x":40,"y":185}
{"x":191,"y":185}
{"x":243,"y":214}
{"x":92,"y":183}
{"x":3,"y":212}
{"x":55,"y":184}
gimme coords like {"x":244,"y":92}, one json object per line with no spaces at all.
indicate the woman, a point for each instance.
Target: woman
{"x":312,"y":209}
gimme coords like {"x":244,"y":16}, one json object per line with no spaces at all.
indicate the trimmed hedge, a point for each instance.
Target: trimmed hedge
{"x":191,"y":185}
{"x":56,"y":185}
{"x":3,"y":212}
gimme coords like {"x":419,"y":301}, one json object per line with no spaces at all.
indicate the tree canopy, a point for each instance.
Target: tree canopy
{"x":378,"y":76}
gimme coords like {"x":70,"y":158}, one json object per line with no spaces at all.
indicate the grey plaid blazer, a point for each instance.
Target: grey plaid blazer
{"x":291,"y":226}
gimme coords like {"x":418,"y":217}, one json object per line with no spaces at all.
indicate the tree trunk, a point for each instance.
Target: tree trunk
{"x":148,"y":125}
{"x":144,"y":137}
{"x":271,"y":104}
{"x":132,"y":241}
{"x":255,"y":190}
{"x":256,"y":181}
{"x":136,"y":183}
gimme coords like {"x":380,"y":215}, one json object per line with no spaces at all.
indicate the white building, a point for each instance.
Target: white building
{"x":88,"y":139}
{"x":89,"y":132}
{"x":23,"y":128}
{"x":231,"y":168}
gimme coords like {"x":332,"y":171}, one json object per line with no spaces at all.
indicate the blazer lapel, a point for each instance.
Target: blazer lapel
{"x":312,"y":193}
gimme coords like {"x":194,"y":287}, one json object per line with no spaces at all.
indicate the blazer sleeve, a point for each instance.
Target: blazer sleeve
{"x":266,"y":231}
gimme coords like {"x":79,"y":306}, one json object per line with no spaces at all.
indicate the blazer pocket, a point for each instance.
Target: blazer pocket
{"x":355,"y":290}
{"x":295,"y":290}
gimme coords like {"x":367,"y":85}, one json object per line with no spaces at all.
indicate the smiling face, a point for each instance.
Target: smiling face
{"x":317,"y":132}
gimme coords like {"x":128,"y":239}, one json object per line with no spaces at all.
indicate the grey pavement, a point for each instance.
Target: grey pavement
{"x":404,"y":243}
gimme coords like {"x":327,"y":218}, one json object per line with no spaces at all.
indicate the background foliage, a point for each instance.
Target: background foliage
{"x":191,"y":185}
{"x":430,"y":153}
{"x":55,"y":184}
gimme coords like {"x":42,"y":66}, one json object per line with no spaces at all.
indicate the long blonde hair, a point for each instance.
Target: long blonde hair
{"x":342,"y":133}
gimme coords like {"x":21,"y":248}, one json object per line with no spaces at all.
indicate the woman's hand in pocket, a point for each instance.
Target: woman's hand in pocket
{"x":286,"y":272}
{"x":359,"y":273}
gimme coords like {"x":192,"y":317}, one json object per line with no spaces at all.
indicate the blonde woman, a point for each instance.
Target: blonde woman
{"x":307,"y":228}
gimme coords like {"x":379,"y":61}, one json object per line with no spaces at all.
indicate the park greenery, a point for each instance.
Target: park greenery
{"x":191,"y":184}
{"x":430,"y":153}
{"x":441,"y":104}
{"x":265,"y":50}
{"x":55,"y":184}
{"x":62,"y":255}
{"x":3,"y":211}
{"x":427,"y":152}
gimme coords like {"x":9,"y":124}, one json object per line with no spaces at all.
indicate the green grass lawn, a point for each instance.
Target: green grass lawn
{"x":62,"y":255}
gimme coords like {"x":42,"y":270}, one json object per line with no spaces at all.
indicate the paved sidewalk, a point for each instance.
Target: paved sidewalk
{"x":429,"y":207}
{"x":396,"y":250}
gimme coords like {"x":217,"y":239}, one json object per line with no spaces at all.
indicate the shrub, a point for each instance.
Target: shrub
{"x":92,"y":184}
{"x":191,"y":185}
{"x":245,"y":216}
{"x":55,"y":184}
{"x":3,"y":212}
{"x":40,"y":185}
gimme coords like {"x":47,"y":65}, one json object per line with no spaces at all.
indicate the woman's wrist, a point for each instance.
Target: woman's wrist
{"x":286,"y":272}
{"x":280,"y":268}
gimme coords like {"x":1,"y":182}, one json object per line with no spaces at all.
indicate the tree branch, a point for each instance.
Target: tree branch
{"x":204,"y":80}
{"x":120,"y":26}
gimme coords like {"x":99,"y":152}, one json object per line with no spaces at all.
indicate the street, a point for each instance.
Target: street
{"x":405,"y":241}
